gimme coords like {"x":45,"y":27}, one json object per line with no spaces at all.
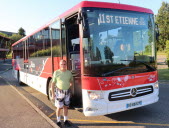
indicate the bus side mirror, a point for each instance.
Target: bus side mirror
{"x":82,"y":18}
{"x":79,"y":18}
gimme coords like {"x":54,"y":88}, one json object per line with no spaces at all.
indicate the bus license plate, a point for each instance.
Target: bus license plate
{"x":138,"y":103}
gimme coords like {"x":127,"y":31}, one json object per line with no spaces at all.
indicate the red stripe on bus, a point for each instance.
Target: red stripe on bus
{"x":116,"y":82}
{"x":114,"y":6}
{"x":47,"y":70}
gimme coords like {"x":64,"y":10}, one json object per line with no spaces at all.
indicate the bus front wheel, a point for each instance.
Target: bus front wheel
{"x":50,"y":95}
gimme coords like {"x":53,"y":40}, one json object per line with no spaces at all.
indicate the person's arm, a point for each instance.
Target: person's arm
{"x":71,"y":83}
{"x":71,"y":80}
{"x":53,"y":90}
{"x":53,"y":85}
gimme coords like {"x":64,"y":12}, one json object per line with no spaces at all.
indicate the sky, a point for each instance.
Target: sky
{"x":32,"y":14}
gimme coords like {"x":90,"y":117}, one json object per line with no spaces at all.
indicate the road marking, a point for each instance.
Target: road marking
{"x":51,"y":114}
{"x":119,"y":122}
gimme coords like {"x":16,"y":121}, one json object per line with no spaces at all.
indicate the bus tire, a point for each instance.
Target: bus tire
{"x":50,"y":92}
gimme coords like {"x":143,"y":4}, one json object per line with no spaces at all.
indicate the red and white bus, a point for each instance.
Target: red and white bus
{"x":110,"y":49}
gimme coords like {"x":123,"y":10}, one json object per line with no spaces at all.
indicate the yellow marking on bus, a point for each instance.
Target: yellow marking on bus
{"x":51,"y":114}
{"x":119,"y":122}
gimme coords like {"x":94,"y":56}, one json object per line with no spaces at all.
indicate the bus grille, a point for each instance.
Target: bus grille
{"x":130,"y":93}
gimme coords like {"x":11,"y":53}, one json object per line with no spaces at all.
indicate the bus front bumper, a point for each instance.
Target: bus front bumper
{"x":102,"y":107}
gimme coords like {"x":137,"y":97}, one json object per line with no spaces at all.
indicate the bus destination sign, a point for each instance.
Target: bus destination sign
{"x":105,"y":19}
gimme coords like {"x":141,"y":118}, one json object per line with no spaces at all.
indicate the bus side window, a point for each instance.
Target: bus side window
{"x":75,"y":54}
{"x":76,"y":47}
{"x":75,"y":61}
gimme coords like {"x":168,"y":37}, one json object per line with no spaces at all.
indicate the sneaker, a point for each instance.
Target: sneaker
{"x":67,"y":123}
{"x":59,"y":124}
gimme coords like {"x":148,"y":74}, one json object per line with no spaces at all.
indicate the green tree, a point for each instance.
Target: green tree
{"x":3,"y":34}
{"x":21,"y":31}
{"x":15,"y":37}
{"x":162,"y":19}
{"x":167,"y":52}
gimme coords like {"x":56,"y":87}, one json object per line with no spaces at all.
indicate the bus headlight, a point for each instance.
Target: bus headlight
{"x":156,"y":85}
{"x":95,"y":95}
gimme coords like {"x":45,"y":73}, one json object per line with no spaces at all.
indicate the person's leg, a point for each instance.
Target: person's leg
{"x":58,"y":110}
{"x":65,"y":109}
{"x":66,"y":105}
{"x":59,"y":105}
{"x":65,"y":113}
{"x":58,"y":114}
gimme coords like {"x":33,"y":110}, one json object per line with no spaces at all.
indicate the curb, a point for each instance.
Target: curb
{"x":164,"y":81}
{"x":33,"y":106}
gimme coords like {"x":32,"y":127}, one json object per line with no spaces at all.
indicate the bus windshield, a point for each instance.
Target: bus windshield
{"x":117,"y":42}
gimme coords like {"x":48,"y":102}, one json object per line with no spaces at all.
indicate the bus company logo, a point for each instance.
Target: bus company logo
{"x":110,"y":82}
{"x":133,"y":92}
{"x":152,"y":78}
{"x":132,"y":77}
{"x":104,"y":79}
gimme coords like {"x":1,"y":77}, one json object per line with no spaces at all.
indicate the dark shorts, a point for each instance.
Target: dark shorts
{"x":62,"y":98}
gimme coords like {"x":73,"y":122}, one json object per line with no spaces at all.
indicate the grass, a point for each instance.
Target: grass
{"x":161,"y":53}
{"x":9,"y":56}
{"x":163,"y":74}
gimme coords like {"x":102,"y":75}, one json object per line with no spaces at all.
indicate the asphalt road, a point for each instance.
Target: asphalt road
{"x":4,"y":66}
{"x":151,"y":116}
{"x":15,"y":111}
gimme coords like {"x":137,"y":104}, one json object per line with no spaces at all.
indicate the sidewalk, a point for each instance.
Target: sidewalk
{"x":17,"y":112}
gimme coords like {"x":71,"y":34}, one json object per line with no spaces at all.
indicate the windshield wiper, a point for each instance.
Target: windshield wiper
{"x":108,"y":73}
{"x":93,"y":75}
{"x":147,"y":66}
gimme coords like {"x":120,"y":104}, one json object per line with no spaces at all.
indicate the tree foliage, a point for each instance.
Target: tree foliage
{"x":15,"y":37}
{"x":21,"y":31}
{"x":167,"y":51}
{"x":162,"y":19}
{"x":3,"y":34}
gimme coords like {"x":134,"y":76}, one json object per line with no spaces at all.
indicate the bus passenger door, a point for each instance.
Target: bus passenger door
{"x":75,"y":69}
{"x":25,"y":60}
{"x":73,"y":57}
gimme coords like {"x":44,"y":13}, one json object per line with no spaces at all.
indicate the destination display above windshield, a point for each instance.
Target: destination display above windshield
{"x":121,"y":19}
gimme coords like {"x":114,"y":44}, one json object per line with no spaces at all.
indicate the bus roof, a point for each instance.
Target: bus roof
{"x":91,"y":4}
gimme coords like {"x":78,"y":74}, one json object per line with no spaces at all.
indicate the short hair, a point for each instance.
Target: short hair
{"x":62,"y":61}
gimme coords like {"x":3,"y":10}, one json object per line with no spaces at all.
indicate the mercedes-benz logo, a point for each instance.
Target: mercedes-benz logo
{"x":133,"y":92}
